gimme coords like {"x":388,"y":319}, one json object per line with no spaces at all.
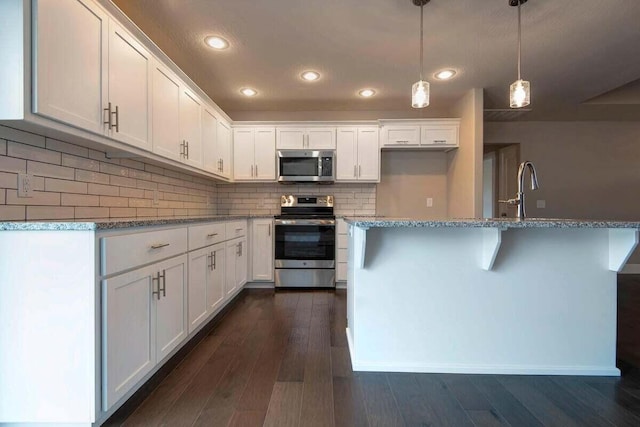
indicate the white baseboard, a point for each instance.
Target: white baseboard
{"x":351,"y":347}
{"x":630,"y":269}
{"x":600,"y":371}
{"x":341,"y":285}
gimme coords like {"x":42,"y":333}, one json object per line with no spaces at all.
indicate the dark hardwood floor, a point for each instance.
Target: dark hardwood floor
{"x":281,"y":359}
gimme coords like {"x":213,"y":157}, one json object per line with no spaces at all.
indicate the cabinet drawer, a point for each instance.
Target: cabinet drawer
{"x":343,"y":241}
{"x":236,"y":229}
{"x":119,"y":253}
{"x":401,"y":136}
{"x":440,"y":135}
{"x":207,"y":234}
{"x":341,"y":226}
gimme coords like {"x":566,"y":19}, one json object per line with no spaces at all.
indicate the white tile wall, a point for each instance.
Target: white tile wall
{"x":73,"y":182}
{"x":240,"y":199}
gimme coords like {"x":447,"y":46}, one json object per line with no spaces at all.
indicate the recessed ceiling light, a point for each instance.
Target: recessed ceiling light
{"x":310,"y":76}
{"x":216,"y":42}
{"x":367,"y":93}
{"x":445,"y":74}
{"x":247,"y":91}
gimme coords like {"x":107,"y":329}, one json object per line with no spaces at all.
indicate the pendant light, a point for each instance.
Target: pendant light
{"x":420,"y":89}
{"x":520,"y":90}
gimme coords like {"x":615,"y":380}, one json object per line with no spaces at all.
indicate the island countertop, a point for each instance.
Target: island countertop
{"x":114,"y":225}
{"x":503,"y":223}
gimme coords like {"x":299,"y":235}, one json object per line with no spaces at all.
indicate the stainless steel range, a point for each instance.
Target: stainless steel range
{"x":305,"y":242}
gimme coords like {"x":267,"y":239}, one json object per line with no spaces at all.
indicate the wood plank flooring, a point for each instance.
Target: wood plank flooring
{"x":281,"y":359}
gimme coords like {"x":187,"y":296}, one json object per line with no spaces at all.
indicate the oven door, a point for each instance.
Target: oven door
{"x":305,"y":244}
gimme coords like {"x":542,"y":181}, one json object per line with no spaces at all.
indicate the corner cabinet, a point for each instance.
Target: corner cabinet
{"x":254,"y":157}
{"x":436,"y":134}
{"x":358,"y":154}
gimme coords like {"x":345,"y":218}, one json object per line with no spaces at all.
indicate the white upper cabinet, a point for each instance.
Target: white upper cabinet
{"x":440,"y":134}
{"x":190,"y":128}
{"x":129,"y":101}
{"x":210,"y":157}
{"x":224,"y":149}
{"x":358,"y":154}
{"x":254,"y":154}
{"x":316,"y":138}
{"x":166,"y":112}
{"x":70,"y":67}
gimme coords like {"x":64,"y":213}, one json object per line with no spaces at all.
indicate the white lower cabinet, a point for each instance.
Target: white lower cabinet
{"x":235,"y":265}
{"x":144,"y":319}
{"x":342,"y":250}
{"x":206,"y":283}
{"x":262,"y":250}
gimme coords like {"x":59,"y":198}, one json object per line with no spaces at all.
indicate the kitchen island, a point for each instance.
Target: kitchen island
{"x":535,"y":296}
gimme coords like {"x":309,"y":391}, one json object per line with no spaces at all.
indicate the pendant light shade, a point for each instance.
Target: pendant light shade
{"x":420,"y":94}
{"x":520,"y":90}
{"x":420,"y":89}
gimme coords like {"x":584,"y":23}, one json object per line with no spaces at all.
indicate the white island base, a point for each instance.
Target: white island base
{"x":503,"y":299}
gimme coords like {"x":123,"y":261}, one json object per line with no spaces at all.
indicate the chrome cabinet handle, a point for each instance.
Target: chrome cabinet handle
{"x":159,"y":245}
{"x":359,"y":170}
{"x":221,"y":165}
{"x":251,"y":170}
{"x":153,"y":288}
{"x":117,"y":125}
{"x":269,"y":229}
{"x":211,"y":235}
{"x":108,"y":111}
{"x":213,"y":260}
{"x":354,"y":171}
{"x":402,"y":141}
{"x":187,"y":142}
{"x":164,"y":284}
{"x":256,"y":171}
{"x":182,"y":148}
{"x":439,"y":141}
{"x":210,"y":261}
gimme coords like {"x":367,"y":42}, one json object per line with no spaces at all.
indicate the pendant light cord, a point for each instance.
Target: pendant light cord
{"x":519,"y":38}
{"x":421,"y":39}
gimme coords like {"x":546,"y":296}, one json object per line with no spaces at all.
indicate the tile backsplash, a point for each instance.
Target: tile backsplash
{"x":241,"y":199}
{"x":71,"y":182}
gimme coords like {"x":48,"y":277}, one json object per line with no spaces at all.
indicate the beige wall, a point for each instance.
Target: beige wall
{"x":264,"y":199}
{"x":407,"y":179}
{"x":464,"y":173}
{"x":76,"y":183}
{"x":586,"y":170}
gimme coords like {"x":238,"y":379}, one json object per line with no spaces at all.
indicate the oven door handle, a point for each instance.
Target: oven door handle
{"x":305,"y":222}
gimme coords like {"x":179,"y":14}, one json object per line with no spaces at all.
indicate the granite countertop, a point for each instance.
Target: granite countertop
{"x":114,"y":225}
{"x":389,"y":222}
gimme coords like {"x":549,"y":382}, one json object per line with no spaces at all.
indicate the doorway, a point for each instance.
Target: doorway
{"x":500,"y":173}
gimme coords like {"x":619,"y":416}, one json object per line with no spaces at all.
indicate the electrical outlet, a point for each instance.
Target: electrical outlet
{"x":25,"y":188}
{"x":156,"y":197}
{"x":541,"y":204}
{"x":429,"y":202}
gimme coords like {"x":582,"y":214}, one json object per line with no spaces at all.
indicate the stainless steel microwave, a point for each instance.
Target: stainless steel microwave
{"x":306,"y":166}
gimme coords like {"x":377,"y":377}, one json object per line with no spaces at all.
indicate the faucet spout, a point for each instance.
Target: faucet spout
{"x":520,"y":201}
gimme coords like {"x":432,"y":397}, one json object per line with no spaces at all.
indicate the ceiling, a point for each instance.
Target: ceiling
{"x":574,"y":51}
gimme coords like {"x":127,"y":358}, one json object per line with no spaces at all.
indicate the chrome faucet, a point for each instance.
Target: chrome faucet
{"x":519,"y":200}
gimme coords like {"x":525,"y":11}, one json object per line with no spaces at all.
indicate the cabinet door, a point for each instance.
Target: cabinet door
{"x":346,"y":156}
{"x":224,"y":148}
{"x":129,"y":83}
{"x":243,"y":164}
{"x":210,"y":155}
{"x":291,"y":138}
{"x":171,"y":316}
{"x":265,"y":154}
{"x":321,"y":139}
{"x":191,"y":128}
{"x":231,"y":259}
{"x":368,"y":155}
{"x":401,"y":136}
{"x":199,"y":276}
{"x":215,"y":284}
{"x":262,"y":249}
{"x":439,"y":136}
{"x":166,"y":113}
{"x":242,"y":264}
{"x":128,"y":332}
{"x":70,"y":62}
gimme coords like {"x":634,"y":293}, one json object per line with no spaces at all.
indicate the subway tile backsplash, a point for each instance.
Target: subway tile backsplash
{"x":71,"y":182}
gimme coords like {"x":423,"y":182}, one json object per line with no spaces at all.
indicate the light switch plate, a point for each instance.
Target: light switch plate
{"x":429,"y":202}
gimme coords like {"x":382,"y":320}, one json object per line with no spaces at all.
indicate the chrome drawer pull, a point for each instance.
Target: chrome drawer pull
{"x":211,"y":235}
{"x":159,"y":245}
